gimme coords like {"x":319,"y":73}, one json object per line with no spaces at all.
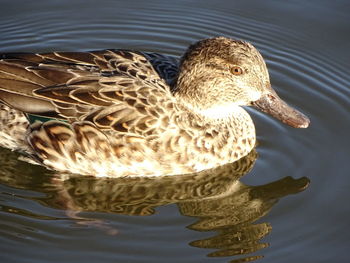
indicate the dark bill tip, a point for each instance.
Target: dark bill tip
{"x":277,"y":108}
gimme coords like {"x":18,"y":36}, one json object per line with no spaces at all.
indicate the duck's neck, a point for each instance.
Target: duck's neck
{"x":212,"y":111}
{"x":196,"y":87}
{"x":221,"y":134}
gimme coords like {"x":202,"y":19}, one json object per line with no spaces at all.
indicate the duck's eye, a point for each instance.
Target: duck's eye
{"x":236,"y":70}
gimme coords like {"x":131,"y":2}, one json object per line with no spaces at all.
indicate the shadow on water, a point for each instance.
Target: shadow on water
{"x":218,"y":201}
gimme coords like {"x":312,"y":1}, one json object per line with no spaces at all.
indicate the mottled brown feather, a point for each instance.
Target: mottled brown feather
{"x":132,"y":113}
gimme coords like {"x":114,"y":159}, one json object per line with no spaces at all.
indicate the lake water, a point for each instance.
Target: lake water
{"x":291,"y":205}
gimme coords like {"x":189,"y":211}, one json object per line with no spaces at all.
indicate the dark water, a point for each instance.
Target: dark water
{"x":292,"y":205}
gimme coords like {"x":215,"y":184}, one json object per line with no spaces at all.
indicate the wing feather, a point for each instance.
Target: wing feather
{"x":117,"y":90}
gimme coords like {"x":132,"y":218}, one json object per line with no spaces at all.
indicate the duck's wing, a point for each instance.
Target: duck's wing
{"x":115,"y":89}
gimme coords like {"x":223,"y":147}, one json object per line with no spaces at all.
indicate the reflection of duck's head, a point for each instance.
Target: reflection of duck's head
{"x":233,"y":215}
{"x":217,"y":75}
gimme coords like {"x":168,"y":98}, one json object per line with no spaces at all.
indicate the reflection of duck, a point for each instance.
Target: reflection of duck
{"x":140,"y":195}
{"x":132,"y":113}
{"x":216,"y":197}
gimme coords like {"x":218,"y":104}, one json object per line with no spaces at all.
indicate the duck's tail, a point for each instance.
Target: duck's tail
{"x":13,"y":129}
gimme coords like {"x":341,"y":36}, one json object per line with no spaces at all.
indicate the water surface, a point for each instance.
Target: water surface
{"x":290,"y":204}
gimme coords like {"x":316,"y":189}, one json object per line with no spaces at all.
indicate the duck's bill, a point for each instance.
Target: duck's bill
{"x":276,"y":107}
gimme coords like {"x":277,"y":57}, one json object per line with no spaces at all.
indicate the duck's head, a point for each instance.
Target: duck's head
{"x":220,"y":74}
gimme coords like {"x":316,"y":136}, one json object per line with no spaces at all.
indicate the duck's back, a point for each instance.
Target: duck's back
{"x":72,"y":85}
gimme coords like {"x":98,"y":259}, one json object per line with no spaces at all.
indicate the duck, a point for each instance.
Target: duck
{"x":118,"y":112}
